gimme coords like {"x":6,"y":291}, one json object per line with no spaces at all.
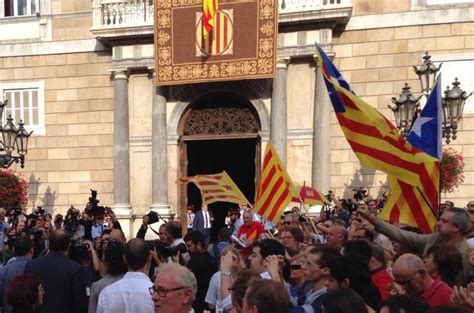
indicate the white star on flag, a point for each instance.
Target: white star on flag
{"x":420,"y":121}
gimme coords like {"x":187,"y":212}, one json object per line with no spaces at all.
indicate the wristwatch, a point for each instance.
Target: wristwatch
{"x":226,"y":273}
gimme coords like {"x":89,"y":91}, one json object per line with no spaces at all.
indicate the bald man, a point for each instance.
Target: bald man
{"x":336,"y":236}
{"x":451,"y":228}
{"x":409,"y":271}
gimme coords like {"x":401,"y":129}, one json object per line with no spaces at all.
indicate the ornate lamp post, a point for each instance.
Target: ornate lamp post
{"x":406,"y":106}
{"x":453,"y":106}
{"x":405,"y":109}
{"x":12,"y":138}
{"x":427,"y":73}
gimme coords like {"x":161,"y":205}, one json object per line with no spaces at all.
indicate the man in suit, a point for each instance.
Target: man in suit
{"x":62,"y":278}
{"x":203,"y":223}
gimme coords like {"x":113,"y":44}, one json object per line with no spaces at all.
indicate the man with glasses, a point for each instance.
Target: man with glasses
{"x":174,"y":289}
{"x":409,"y":271}
{"x":316,"y":271}
{"x":130,"y":294}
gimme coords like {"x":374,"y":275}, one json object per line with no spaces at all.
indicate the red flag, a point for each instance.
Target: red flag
{"x":310,"y":196}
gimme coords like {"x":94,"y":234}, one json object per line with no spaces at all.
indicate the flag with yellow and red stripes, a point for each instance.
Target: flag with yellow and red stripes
{"x":216,"y":187}
{"x":209,"y":9}
{"x":276,"y":188}
{"x":377,"y":144}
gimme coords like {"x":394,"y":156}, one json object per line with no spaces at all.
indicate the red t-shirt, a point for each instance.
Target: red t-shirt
{"x":251,"y":232}
{"x":438,"y":294}
{"x":381,"y":278}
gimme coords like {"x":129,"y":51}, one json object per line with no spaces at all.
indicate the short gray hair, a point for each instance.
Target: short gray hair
{"x":183,"y":277}
{"x":460,"y":218}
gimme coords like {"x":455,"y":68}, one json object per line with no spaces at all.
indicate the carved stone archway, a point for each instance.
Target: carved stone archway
{"x":219,"y":118}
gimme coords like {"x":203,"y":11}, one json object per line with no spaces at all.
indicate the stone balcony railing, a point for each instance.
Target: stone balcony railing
{"x":114,"y":19}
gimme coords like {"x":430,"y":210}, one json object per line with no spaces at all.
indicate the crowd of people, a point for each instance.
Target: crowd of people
{"x":346,"y":260}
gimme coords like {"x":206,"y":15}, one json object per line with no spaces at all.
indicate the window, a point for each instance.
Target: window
{"x":26,"y":103}
{"x":20,"y":7}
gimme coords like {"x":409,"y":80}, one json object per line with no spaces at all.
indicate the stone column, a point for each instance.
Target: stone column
{"x":122,"y":206}
{"x":159,"y":150}
{"x":321,"y":163}
{"x":278,"y":123}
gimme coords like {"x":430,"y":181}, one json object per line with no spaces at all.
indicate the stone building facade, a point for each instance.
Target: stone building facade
{"x":82,"y":72}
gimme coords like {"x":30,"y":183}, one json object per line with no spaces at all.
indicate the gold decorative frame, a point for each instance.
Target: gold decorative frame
{"x":255,"y":29}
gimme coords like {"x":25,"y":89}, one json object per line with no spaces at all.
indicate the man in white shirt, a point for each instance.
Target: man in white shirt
{"x":130,"y":294}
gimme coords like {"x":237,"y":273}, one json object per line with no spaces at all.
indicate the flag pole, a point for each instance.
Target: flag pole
{"x":428,"y":203}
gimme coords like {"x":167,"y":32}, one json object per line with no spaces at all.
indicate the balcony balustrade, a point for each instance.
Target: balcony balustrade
{"x":115,"y":18}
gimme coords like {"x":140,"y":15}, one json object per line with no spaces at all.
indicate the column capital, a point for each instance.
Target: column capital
{"x":283,"y":63}
{"x":119,"y":74}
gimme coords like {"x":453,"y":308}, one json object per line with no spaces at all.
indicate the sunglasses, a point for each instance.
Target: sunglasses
{"x":287,"y":223}
{"x":295,"y":267}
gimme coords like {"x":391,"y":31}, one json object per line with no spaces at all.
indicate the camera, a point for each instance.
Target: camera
{"x":166,"y":251}
{"x":92,"y":206}
{"x":39,"y":211}
{"x":359,"y":193}
{"x":330,"y":195}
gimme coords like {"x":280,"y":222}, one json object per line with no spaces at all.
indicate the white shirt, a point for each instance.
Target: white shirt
{"x":213,"y":295}
{"x":128,"y":295}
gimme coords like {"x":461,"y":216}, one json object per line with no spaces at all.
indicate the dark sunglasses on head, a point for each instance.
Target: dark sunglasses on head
{"x":286,"y":223}
{"x":295,"y":267}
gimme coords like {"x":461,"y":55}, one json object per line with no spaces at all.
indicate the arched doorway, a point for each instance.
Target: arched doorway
{"x":219,"y":131}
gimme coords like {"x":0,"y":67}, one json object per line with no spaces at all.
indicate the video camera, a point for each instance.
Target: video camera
{"x":166,"y":251}
{"x":359,"y":193}
{"x":93,"y":206}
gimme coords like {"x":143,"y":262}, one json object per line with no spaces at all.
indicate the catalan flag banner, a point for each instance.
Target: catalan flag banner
{"x":209,"y":9}
{"x":310,"y":196}
{"x":414,"y":174}
{"x":275,"y":190}
{"x":216,"y":187}
{"x":412,"y":205}
{"x":373,"y":138}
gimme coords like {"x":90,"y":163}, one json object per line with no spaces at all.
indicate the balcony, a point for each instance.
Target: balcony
{"x":125,"y":20}
{"x":122,"y":20}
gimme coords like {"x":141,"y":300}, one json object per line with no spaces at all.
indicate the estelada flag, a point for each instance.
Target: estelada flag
{"x":410,"y":204}
{"x":275,"y":190}
{"x":310,"y":196}
{"x":216,"y":187}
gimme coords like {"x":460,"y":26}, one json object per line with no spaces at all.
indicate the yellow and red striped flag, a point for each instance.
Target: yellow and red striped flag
{"x":310,"y":196}
{"x":209,"y":9}
{"x":216,"y":187}
{"x":377,"y":144}
{"x":409,"y":204}
{"x":275,"y":190}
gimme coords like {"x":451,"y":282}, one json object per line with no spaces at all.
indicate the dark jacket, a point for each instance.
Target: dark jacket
{"x":63,"y":282}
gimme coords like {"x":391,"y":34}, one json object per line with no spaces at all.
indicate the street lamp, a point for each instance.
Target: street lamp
{"x":405,"y":109}
{"x":427,"y":73}
{"x":453,"y":106}
{"x":12,"y":138}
